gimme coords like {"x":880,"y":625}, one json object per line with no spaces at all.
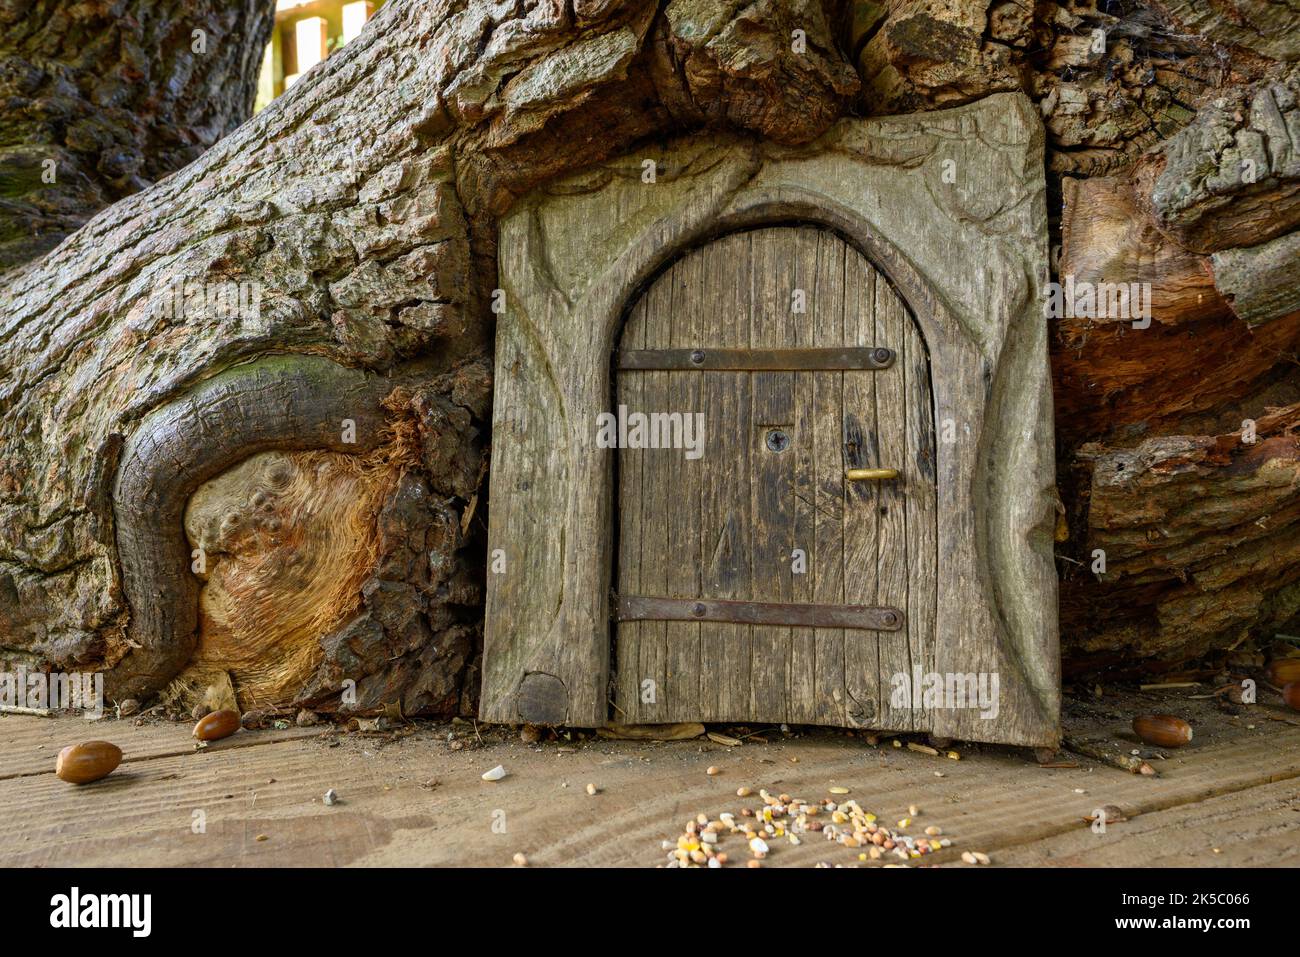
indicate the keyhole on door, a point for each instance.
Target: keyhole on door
{"x":777,"y":441}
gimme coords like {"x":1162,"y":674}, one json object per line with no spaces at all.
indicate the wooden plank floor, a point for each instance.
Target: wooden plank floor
{"x":412,"y":800}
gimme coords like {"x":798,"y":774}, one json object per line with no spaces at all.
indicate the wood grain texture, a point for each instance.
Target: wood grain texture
{"x":865,"y":691}
{"x":779,"y":288}
{"x":289,"y":540}
{"x":269,"y":782}
{"x":575,"y":255}
{"x":772,"y":489}
{"x":774,"y":360}
{"x":274,"y":403}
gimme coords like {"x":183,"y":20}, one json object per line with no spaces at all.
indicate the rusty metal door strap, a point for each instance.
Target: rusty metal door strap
{"x":802,"y":615}
{"x":862,"y":359}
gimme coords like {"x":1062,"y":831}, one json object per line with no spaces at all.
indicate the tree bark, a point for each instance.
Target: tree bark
{"x":363,"y":207}
{"x":102,"y":99}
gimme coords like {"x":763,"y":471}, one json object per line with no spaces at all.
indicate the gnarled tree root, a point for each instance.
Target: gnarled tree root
{"x":278,"y":402}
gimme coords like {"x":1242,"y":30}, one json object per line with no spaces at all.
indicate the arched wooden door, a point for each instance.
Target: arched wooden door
{"x":766,"y":580}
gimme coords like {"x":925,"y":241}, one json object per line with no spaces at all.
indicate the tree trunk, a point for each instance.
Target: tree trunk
{"x":102,"y":99}
{"x":156,"y":464}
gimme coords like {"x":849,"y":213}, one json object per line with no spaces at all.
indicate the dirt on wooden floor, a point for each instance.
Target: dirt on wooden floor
{"x":413,"y":793}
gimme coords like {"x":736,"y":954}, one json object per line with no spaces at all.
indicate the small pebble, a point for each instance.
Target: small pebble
{"x":592,"y":789}
{"x":496,"y":774}
{"x":520,"y":860}
{"x":331,"y":797}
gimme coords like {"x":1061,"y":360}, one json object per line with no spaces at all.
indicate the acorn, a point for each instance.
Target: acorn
{"x":88,"y":761}
{"x":216,"y":725}
{"x":1291,"y":695}
{"x":1162,"y":730}
{"x":1283,"y":671}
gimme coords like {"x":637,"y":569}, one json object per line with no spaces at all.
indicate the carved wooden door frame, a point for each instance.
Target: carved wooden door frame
{"x":950,"y":206}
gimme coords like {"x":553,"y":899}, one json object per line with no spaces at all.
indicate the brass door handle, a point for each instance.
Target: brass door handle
{"x":870,"y":475}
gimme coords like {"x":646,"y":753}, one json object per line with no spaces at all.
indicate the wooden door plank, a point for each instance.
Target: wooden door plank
{"x":801,"y":251}
{"x":629,"y":389}
{"x":683,"y":654}
{"x":893,"y":562}
{"x":725,"y":513}
{"x":826,"y":309}
{"x":655,"y":501}
{"x":862,"y":682}
{"x":655,"y":485}
{"x":773,"y":324}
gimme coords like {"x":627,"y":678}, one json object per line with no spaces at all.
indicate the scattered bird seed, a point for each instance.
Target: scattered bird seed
{"x":592,"y":789}
{"x":713,"y":770}
{"x":520,"y":860}
{"x":784,"y":816}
